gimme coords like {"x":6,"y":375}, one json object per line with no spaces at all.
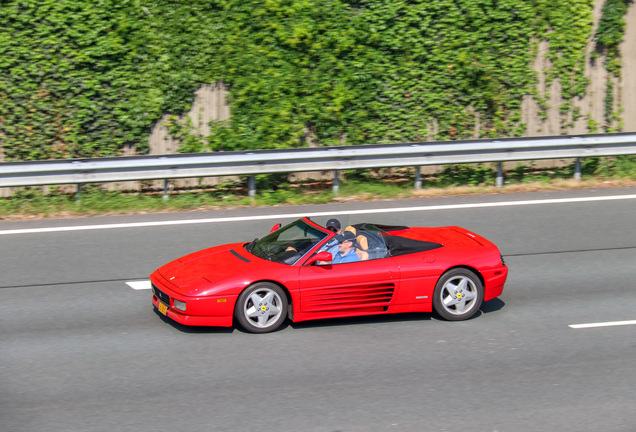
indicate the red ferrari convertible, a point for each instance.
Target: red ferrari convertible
{"x":289,"y":274}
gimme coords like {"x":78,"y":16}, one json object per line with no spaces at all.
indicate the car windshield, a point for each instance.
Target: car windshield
{"x":288,"y":244}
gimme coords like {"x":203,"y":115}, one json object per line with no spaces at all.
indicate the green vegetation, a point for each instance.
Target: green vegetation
{"x":89,"y":79}
{"x":609,"y":34}
{"x":356,"y":185}
{"x":610,"y":31}
{"x":70,"y":83}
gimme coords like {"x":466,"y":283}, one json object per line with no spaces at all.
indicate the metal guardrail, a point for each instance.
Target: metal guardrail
{"x":417,"y":154}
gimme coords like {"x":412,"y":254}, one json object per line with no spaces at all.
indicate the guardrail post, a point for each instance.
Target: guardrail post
{"x":577,"y":169}
{"x":252,"y":187}
{"x":500,"y":176}
{"x":165,"y":189}
{"x":336,"y":182}
{"x":78,"y":192}
{"x":418,"y":178}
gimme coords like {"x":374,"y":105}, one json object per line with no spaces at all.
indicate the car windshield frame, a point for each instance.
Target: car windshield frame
{"x":289,"y":244}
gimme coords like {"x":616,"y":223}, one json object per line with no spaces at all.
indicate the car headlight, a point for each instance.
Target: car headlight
{"x":179,"y":305}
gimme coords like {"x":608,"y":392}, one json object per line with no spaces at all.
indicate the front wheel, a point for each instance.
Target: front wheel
{"x":261,"y":308}
{"x":458,"y":294}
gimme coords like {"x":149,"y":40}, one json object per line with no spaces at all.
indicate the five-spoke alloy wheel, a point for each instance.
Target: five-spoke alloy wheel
{"x":458,"y":294}
{"x":261,"y":308}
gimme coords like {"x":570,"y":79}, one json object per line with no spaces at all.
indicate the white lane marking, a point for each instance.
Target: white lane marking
{"x":602,"y":324}
{"x":314,"y":214}
{"x":139,"y":285}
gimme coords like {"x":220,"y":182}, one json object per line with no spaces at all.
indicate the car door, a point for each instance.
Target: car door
{"x":349,"y":287}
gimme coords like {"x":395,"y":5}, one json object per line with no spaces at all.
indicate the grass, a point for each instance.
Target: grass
{"x":358,"y":185}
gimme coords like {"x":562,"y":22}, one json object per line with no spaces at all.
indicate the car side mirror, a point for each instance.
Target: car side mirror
{"x":275,"y":227}
{"x":320,"y":256}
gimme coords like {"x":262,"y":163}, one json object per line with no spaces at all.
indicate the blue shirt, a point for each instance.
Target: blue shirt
{"x":332,"y":247}
{"x":333,"y":250}
{"x":350,"y":256}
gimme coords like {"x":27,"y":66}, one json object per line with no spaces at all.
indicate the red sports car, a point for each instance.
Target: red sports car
{"x":289,"y":274}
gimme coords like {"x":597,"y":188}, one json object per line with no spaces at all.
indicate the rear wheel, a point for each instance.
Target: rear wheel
{"x":458,"y":294}
{"x":261,"y":308}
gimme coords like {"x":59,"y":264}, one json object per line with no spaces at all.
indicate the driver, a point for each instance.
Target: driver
{"x":346,"y":248}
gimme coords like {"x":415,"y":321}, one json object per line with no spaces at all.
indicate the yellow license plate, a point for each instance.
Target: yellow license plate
{"x":163,"y":308}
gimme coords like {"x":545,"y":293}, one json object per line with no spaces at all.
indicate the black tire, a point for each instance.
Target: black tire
{"x":458,"y":294}
{"x":261,"y":308}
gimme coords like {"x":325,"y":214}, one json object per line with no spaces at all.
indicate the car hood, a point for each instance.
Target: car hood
{"x":194,"y":273}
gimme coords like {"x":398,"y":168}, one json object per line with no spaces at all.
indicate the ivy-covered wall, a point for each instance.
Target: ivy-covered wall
{"x":81,"y":78}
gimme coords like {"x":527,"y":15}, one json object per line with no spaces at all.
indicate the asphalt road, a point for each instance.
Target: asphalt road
{"x":81,"y":351}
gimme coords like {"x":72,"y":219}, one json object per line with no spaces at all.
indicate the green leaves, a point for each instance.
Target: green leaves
{"x":610,"y":31}
{"x":86,"y":79}
{"x":66,"y":69}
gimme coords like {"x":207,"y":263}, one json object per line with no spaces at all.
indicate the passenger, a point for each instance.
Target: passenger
{"x":334,"y":226}
{"x":346,"y":248}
